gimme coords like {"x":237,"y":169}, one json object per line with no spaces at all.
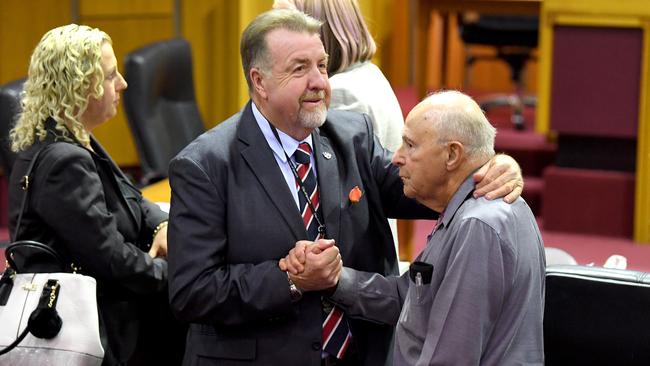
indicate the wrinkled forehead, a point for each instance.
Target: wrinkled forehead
{"x":285,"y":43}
{"x":421,"y":122}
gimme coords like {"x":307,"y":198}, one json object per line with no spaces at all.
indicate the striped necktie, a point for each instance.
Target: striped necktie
{"x":336,"y":331}
{"x":309,"y":183}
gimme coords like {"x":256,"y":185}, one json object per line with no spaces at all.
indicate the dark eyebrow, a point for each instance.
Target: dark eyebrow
{"x":299,"y":61}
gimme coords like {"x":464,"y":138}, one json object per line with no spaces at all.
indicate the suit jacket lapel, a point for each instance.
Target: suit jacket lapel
{"x":259,"y":157}
{"x":328,"y":183}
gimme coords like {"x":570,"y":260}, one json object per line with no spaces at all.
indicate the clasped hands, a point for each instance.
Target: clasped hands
{"x":313,"y":265}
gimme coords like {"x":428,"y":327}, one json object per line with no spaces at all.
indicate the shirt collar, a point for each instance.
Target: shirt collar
{"x":462,"y":194}
{"x":289,"y":144}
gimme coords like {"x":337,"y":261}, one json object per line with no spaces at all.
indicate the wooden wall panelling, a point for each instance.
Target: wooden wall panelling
{"x":203,"y":24}
{"x":542,"y":120}
{"x":125,"y":8}
{"x":22,"y":24}
{"x":642,"y":190}
{"x":248,"y":10}
{"x":214,"y":28}
{"x":131,"y":24}
{"x":397,"y":49}
{"x":436,"y":68}
{"x":378,"y":14}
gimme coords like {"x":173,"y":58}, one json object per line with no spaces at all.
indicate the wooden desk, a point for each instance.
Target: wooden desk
{"x":158,"y":192}
{"x":431,"y":40}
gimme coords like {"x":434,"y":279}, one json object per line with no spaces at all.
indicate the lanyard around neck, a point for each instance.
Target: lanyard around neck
{"x":321,"y":225}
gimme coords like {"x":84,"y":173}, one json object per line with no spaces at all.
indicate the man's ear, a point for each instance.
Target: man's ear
{"x":456,"y":154}
{"x":258,"y":81}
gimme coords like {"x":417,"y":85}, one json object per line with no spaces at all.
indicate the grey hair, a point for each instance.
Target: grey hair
{"x":253,"y":47}
{"x":457,"y":117}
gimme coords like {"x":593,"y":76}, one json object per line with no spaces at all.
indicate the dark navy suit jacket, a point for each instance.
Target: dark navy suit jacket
{"x":233,"y":217}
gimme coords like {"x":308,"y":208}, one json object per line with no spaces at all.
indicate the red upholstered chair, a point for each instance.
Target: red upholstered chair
{"x":533,"y":152}
{"x":599,"y":202}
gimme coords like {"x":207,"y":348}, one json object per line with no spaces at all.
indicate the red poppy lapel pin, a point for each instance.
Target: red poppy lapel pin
{"x":355,"y":195}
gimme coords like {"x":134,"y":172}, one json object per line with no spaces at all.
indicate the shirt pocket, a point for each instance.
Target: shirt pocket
{"x":415,"y":313}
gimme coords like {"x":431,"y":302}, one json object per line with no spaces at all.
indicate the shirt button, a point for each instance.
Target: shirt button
{"x":315,"y":346}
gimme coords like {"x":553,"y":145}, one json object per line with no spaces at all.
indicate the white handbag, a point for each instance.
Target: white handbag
{"x":77,"y":342}
{"x":47,"y":317}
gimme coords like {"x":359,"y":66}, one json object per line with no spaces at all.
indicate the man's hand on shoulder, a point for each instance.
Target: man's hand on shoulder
{"x":499,"y":177}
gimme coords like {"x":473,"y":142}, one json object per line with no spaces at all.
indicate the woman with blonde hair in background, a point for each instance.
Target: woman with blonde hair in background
{"x":82,"y":205}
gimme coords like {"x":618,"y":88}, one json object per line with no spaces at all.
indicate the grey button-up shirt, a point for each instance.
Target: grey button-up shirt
{"x":485,"y":302}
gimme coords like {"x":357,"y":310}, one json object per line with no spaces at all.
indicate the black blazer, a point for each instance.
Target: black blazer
{"x":83,"y":206}
{"x":233,"y":217}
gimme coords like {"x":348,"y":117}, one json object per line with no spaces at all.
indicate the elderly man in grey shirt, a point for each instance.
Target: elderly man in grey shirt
{"x":475,"y":295}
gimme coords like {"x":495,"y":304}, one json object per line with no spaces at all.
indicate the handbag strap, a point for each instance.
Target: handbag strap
{"x":46,"y":258}
{"x":16,"y":342}
{"x":24,"y":185}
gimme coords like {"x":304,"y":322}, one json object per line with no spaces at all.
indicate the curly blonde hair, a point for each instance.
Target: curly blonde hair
{"x":64,"y":72}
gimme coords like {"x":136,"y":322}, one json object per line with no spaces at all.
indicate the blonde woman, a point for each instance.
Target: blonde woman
{"x":80,"y":203}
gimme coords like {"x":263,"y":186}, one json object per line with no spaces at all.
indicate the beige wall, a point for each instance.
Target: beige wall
{"x":213,"y":28}
{"x":22,"y":24}
{"x":131,"y":24}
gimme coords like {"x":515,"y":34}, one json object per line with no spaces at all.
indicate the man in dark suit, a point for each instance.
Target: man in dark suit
{"x":240,"y":202}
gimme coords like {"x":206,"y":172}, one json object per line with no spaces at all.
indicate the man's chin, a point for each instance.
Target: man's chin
{"x":313,"y":119}
{"x":408,"y":193}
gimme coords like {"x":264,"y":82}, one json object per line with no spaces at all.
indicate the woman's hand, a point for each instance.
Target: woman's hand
{"x":159,"y":245}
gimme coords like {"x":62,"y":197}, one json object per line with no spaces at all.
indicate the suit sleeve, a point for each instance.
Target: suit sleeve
{"x":152,"y":215}
{"x":204,"y":287}
{"x":371,"y":296}
{"x":73,"y":204}
{"x":469,"y":300}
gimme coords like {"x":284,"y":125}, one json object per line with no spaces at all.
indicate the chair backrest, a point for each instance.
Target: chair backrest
{"x":160,"y":103}
{"x":501,"y":30}
{"x":9,"y":109}
{"x":596,"y":316}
